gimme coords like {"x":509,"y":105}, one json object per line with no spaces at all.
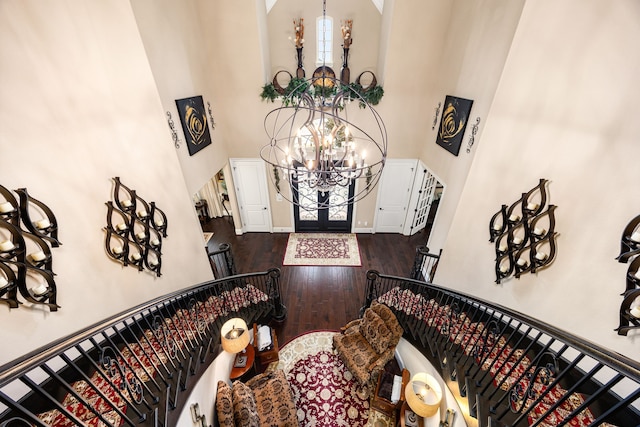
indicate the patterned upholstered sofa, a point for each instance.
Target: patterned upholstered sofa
{"x":365,"y":345}
{"x":264,"y":400}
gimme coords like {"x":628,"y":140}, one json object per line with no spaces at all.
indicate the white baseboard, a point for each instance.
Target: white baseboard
{"x":282,"y":230}
{"x":363,"y":230}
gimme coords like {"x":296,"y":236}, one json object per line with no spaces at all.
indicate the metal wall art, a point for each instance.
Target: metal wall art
{"x":28,"y":231}
{"x":134,"y":230}
{"x":455,"y":115}
{"x":523,"y":234}
{"x":629,"y":251}
{"x":194,"y":123}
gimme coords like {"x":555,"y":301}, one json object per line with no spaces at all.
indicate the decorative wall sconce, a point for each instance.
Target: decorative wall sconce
{"x":435,"y":116}
{"x":212,"y":123}
{"x":26,"y":262}
{"x":134,"y":230}
{"x":298,"y":27}
{"x":174,"y":133}
{"x":523,"y":233}
{"x":629,"y":251}
{"x":474,"y":131}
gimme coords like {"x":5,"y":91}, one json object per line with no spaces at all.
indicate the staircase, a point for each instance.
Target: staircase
{"x":511,"y":369}
{"x":138,"y":367}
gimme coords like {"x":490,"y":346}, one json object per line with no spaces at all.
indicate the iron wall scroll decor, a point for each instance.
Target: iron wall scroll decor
{"x":28,"y":231}
{"x":523,"y":234}
{"x":629,"y":251}
{"x":194,"y":123}
{"x":134,"y":230}
{"x":455,"y":115}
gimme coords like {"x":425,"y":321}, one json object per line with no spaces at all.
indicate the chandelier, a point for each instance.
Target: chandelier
{"x":326,"y":138}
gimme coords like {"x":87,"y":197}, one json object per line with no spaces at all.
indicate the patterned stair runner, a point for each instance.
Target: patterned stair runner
{"x":143,"y":361}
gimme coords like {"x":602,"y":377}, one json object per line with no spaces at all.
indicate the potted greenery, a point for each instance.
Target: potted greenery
{"x":269,"y":92}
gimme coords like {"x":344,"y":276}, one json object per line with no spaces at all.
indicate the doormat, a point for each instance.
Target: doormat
{"x":318,"y":249}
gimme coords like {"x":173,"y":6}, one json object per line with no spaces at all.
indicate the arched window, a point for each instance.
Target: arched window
{"x":324,"y":37}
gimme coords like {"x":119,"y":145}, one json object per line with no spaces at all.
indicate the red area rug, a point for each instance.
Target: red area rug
{"x":325,"y":392}
{"x":318,"y":249}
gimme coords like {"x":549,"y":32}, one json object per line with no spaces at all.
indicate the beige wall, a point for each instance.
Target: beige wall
{"x":78,"y":107}
{"x":565,"y":110}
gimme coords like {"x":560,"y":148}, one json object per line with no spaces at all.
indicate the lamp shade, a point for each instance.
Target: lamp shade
{"x":423,"y":394}
{"x":234,"y":335}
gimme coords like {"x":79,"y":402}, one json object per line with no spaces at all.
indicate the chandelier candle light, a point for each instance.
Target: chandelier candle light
{"x":313,"y":141}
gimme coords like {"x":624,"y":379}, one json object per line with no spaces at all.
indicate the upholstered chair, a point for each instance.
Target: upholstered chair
{"x":365,"y":345}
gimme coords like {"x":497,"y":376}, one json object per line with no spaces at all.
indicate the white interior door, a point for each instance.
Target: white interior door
{"x":394,"y":192}
{"x":250,"y":181}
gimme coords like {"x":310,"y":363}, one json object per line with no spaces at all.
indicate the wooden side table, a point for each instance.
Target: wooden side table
{"x":239,"y":371}
{"x":268,"y":356}
{"x":382,"y":397}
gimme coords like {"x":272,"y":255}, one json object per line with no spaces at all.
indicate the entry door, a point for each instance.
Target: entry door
{"x":394,"y":193}
{"x":250,"y":181}
{"x":309,"y":217}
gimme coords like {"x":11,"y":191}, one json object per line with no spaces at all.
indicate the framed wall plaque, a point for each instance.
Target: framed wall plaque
{"x":194,"y":123}
{"x":455,"y":116}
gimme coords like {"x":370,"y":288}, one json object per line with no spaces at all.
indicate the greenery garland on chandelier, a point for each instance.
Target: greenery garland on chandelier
{"x":298,"y":85}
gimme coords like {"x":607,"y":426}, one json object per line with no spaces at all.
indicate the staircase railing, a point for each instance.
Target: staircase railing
{"x":221,"y":261}
{"x":425,"y":264}
{"x":513,"y":369}
{"x":137,"y":367}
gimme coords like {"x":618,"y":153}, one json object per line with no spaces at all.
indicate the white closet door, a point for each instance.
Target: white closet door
{"x":394,"y":193}
{"x":250,"y":181}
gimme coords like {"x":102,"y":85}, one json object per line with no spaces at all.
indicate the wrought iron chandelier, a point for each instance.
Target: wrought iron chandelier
{"x":316,"y":147}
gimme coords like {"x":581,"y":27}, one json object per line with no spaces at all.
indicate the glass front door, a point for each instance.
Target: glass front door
{"x":310,"y":217}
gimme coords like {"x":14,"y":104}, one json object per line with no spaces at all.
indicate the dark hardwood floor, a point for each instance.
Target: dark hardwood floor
{"x":316,"y":297}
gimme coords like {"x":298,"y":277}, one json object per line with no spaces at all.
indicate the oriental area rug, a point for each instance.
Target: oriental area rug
{"x":325,"y":392}
{"x":320,"y":249}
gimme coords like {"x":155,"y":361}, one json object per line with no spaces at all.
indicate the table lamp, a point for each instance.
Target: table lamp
{"x":423,"y":394}
{"x":234,"y":335}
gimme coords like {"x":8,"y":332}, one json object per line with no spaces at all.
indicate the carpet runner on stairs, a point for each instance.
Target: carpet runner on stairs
{"x":140,"y":362}
{"x":512,"y":367}
{"x":316,"y":374}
